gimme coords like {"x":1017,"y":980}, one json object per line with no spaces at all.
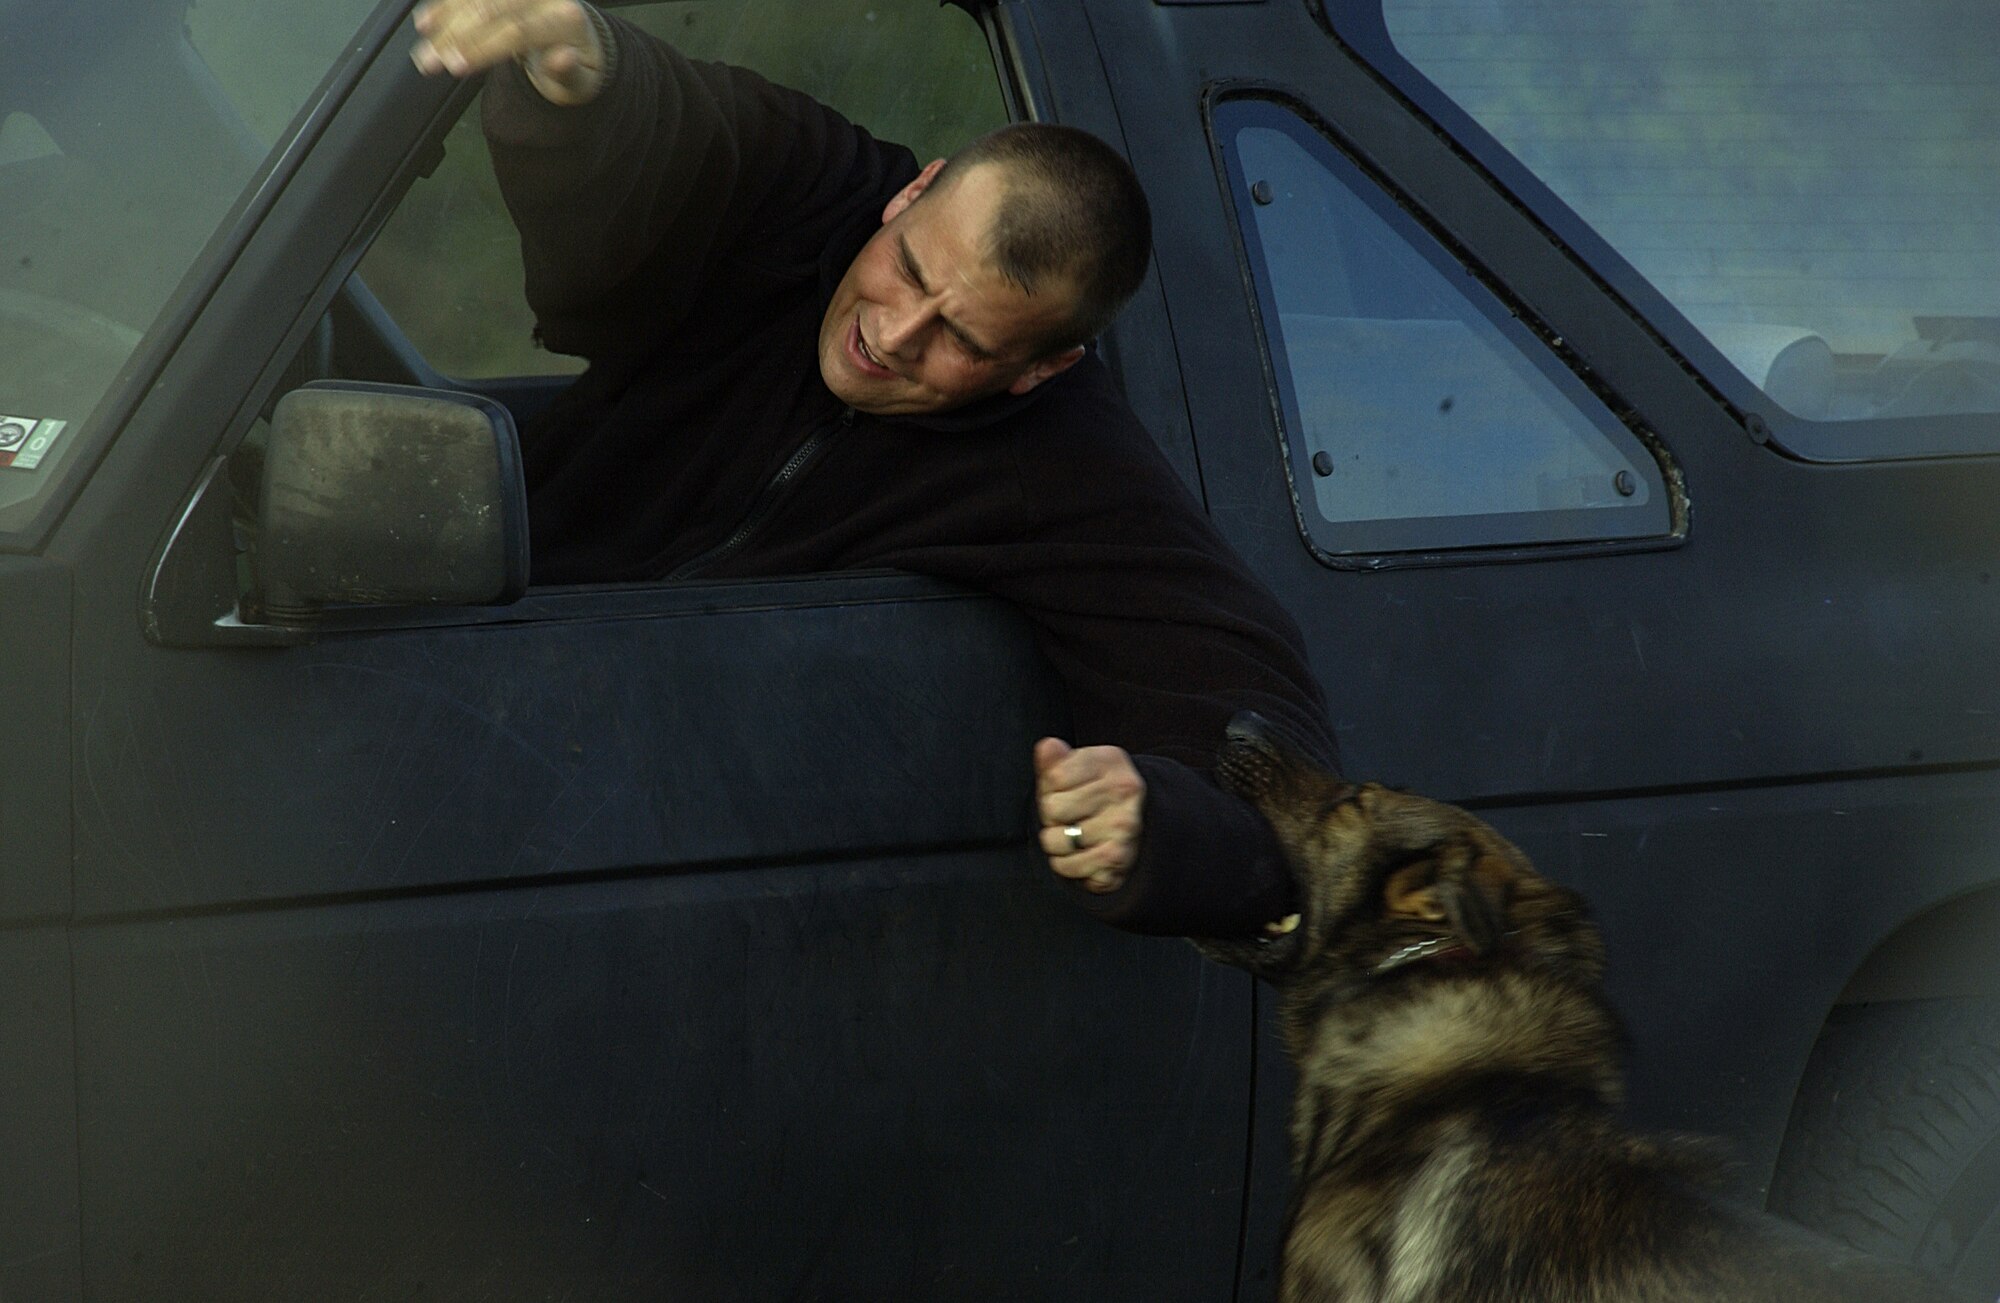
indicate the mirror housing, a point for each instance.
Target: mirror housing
{"x":376,"y":494}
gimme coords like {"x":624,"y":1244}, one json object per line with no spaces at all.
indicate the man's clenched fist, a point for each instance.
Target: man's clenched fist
{"x":1091,"y":801}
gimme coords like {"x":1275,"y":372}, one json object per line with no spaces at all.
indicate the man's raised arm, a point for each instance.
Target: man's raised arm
{"x":631,"y":171}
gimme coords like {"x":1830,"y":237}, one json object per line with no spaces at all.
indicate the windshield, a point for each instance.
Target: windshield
{"x":128,"y":129}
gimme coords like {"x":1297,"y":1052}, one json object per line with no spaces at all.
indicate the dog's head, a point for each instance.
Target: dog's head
{"x":1391,"y":884}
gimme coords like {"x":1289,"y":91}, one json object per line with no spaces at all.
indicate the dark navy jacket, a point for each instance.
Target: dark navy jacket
{"x":684,"y":233}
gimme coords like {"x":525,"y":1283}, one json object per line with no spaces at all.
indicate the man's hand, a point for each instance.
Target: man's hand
{"x":1097,"y":792}
{"x":555,"y":40}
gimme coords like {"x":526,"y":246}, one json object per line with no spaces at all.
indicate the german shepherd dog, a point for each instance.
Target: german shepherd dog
{"x":1454,"y":1138}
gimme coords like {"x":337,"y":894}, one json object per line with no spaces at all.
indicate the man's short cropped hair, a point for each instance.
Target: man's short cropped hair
{"x":1071,"y":210}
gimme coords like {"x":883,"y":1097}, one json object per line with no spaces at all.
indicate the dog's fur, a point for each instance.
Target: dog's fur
{"x":1459,"y":1068}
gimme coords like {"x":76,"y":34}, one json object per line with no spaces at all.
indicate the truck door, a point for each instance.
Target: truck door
{"x":637,"y":942}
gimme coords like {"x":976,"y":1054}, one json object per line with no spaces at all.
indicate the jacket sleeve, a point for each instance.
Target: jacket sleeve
{"x":1161,"y":634}
{"x":1209,"y":864}
{"x":629,"y":205}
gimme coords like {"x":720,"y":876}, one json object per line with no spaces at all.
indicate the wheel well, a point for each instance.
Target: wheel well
{"x":1945,"y":952}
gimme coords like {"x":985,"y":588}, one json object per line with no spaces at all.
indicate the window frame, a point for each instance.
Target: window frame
{"x":1397,"y":542}
{"x":192,"y":594}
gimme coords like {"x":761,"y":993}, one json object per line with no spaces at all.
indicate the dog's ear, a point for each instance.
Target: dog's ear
{"x":1412,"y":892}
{"x":1456,"y":890}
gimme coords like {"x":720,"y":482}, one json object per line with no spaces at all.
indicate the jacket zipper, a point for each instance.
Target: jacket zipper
{"x":769,"y":498}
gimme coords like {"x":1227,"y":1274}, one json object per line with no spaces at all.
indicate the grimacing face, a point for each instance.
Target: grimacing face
{"x":922,"y":323}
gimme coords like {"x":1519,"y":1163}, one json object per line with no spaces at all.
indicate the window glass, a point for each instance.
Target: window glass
{"x":1812,"y":183}
{"x":448,"y":266}
{"x":1420,"y":415}
{"x":135,"y":135}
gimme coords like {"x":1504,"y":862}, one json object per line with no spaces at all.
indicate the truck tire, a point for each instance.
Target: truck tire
{"x":1894,"y":1143}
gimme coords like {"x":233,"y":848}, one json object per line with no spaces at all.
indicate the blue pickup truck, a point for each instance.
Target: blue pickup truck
{"x":1611,"y":392}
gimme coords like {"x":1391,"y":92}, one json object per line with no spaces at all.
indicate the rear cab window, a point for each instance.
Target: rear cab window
{"x":1799,"y":193}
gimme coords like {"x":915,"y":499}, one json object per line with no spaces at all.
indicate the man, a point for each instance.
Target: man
{"x":808,"y":354}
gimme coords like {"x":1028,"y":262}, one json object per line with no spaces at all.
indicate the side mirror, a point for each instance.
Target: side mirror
{"x":388,"y":495}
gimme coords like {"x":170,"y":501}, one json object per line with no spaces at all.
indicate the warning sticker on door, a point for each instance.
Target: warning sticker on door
{"x":24,"y":441}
